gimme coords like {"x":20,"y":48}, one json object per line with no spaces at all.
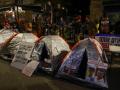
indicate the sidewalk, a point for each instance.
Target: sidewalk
{"x":13,"y":79}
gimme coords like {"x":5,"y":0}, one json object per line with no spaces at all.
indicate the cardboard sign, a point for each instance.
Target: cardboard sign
{"x":23,"y":55}
{"x":30,"y":68}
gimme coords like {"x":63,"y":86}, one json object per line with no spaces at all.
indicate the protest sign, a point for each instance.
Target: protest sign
{"x":107,"y":41}
{"x":23,"y":55}
{"x":30,"y":68}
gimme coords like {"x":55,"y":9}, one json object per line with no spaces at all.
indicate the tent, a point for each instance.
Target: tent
{"x":21,"y":37}
{"x":50,"y":52}
{"x":12,"y":46}
{"x":86,"y":62}
{"x":5,"y":37}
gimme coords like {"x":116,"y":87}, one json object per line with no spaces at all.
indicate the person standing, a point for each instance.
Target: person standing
{"x":77,"y":27}
{"x":89,"y":28}
{"x":104,"y":25}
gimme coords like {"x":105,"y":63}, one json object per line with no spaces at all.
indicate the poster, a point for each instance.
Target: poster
{"x":96,"y":73}
{"x":100,"y":74}
{"x":23,"y":55}
{"x":30,"y":68}
{"x":114,"y":44}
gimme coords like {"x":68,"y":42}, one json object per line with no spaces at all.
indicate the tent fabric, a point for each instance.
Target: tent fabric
{"x":13,"y":45}
{"x":86,"y":62}
{"x":50,"y":51}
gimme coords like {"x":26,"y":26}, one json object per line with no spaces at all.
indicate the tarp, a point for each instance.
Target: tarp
{"x":86,"y":62}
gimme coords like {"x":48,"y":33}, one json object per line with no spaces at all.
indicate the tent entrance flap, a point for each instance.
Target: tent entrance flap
{"x":83,"y":66}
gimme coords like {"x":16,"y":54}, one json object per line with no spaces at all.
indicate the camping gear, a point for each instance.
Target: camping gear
{"x":50,"y":52}
{"x":86,"y":62}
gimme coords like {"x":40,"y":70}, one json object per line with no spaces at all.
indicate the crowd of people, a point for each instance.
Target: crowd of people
{"x":56,"y":21}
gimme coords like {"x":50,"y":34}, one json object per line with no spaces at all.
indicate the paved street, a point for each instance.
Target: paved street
{"x":12,"y":79}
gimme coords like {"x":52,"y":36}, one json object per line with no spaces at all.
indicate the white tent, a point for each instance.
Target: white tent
{"x":51,"y":51}
{"x":5,"y":37}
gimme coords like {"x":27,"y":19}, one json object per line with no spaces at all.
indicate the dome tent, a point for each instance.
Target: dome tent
{"x":50,"y":52}
{"x":6,"y":36}
{"x":86,"y":62}
{"x":12,"y":46}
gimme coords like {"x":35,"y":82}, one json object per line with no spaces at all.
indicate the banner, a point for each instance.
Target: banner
{"x":108,"y":40}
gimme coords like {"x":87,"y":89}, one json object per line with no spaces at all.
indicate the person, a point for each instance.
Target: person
{"x":97,"y":25}
{"x":62,"y":23}
{"x":104,"y":25}
{"x":38,"y":25}
{"x":77,"y":24}
{"x":89,"y":28}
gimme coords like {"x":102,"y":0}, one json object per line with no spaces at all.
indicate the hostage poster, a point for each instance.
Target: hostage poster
{"x":23,"y":55}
